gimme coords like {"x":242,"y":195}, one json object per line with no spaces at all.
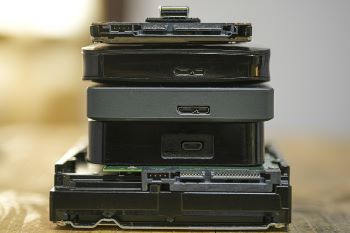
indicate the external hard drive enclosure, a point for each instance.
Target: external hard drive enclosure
{"x":176,"y":143}
{"x":226,"y":104}
{"x":197,"y":64}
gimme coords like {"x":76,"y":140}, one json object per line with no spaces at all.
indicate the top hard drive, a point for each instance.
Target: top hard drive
{"x":185,"y":63}
{"x":173,"y":26}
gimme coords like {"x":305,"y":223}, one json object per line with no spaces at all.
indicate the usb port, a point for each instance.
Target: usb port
{"x":193,"y":110}
{"x":192,"y":146}
{"x":186,"y":72}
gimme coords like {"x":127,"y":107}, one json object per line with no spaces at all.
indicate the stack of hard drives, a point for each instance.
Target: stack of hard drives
{"x":176,"y":131}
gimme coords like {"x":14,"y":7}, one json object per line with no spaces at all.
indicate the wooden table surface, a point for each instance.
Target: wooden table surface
{"x":320,"y":171}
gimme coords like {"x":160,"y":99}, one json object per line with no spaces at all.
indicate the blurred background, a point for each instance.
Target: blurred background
{"x":43,"y":106}
{"x":41,"y":64}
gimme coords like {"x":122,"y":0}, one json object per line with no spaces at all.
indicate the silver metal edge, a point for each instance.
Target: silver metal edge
{"x":112,"y":222}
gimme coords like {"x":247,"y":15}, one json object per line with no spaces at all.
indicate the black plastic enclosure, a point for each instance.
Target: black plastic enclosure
{"x":176,"y":143}
{"x":175,"y":64}
{"x":248,"y":103}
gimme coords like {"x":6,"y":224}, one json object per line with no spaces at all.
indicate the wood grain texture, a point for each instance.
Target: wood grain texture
{"x":319,"y":169}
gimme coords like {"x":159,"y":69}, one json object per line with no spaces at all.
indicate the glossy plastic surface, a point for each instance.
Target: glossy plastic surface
{"x":175,"y":64}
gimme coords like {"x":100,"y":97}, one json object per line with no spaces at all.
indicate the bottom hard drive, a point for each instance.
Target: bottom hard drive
{"x":87,"y":195}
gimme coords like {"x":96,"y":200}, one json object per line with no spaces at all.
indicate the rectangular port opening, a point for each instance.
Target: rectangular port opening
{"x":235,"y":177}
{"x":193,"y":110}
{"x":121,"y":27}
{"x":235,"y":181}
{"x":188,"y":72}
{"x":192,"y":146}
{"x":192,"y":176}
{"x":187,"y":146}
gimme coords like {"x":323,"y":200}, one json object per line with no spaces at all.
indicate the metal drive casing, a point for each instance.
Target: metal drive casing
{"x":175,"y":30}
{"x":225,"y":104}
{"x":86,"y":196}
